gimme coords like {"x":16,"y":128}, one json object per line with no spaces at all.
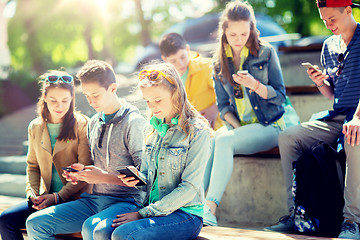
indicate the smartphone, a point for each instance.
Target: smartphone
{"x":32,"y":193}
{"x":309,"y":65}
{"x":242,"y":72}
{"x":70,"y":169}
{"x":131,"y":173}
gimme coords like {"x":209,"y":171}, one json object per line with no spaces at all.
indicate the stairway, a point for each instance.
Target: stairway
{"x":13,"y":148}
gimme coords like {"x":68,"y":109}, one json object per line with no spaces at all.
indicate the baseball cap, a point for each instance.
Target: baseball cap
{"x":336,"y":3}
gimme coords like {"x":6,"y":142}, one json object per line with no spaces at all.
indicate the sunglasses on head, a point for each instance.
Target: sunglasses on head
{"x":238,"y":92}
{"x":153,"y":75}
{"x":55,"y":78}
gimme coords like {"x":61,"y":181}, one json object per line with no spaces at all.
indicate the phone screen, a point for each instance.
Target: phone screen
{"x":70,"y":169}
{"x":129,"y":173}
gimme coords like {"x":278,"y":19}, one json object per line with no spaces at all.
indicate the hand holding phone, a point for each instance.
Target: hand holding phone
{"x":70,"y":169}
{"x":310,"y":66}
{"x":129,"y":172}
{"x":242,"y":72}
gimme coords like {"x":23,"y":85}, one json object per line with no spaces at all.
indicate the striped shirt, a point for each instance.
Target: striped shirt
{"x":346,"y":86}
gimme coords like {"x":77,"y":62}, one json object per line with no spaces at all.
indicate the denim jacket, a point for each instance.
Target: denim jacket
{"x":265,"y":68}
{"x":181,"y":166}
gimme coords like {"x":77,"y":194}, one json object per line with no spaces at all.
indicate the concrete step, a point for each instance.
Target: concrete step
{"x":13,"y":164}
{"x":12,"y":185}
{"x":8,"y":201}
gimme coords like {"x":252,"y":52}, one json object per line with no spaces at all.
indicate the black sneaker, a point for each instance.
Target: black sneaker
{"x":286,"y":224}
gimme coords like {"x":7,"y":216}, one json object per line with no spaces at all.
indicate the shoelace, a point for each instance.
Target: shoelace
{"x":347,"y":226}
{"x":284,"y":219}
{"x":207,"y":209}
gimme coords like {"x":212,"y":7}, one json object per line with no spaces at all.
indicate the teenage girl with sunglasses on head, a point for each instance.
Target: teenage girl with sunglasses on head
{"x":176,"y":151}
{"x":249,"y":102}
{"x":57,"y":138}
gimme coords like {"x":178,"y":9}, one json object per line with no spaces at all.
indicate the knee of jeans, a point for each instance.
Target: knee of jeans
{"x":222,"y":141}
{"x":3,"y":217}
{"x":121,"y":233}
{"x":88,"y":228}
{"x":33,"y":221}
{"x":103,"y":229}
{"x":285,"y":137}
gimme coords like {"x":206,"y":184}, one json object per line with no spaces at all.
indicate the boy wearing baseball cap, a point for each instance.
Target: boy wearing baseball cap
{"x":340,"y":82}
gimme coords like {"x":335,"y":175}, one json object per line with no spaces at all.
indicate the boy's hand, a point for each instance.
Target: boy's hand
{"x":211,"y":114}
{"x":351,"y":130}
{"x":317,"y":76}
{"x":90,"y":174}
{"x":71,"y":178}
{"x":125,"y":218}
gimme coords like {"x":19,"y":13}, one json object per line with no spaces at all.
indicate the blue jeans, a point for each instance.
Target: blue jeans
{"x":177,"y":225}
{"x":13,"y":219}
{"x":93,"y":214}
{"x":246,"y":140}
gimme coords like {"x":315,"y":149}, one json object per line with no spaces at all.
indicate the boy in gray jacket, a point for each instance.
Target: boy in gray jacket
{"x":115,"y":136}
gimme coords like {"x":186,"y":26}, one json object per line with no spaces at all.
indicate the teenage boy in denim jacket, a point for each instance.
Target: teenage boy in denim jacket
{"x":115,"y":136}
{"x":339,"y":81}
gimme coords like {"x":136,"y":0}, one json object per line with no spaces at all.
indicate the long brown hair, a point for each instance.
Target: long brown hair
{"x":234,"y":11}
{"x":181,"y":104}
{"x":67,"y":131}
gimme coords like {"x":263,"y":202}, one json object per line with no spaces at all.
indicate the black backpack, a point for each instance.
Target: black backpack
{"x":318,"y":190}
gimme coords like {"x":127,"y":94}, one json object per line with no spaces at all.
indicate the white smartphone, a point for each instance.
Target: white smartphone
{"x":309,"y":65}
{"x":242,"y":72}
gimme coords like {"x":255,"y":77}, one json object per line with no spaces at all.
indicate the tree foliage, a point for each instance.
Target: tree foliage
{"x":49,"y":34}
{"x":46,"y":34}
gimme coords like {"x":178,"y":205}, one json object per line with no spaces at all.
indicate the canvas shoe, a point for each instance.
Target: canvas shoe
{"x":209,"y":219}
{"x":286,"y":224}
{"x":349,"y":230}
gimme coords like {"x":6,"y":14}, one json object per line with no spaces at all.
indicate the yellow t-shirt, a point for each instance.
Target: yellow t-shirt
{"x":199,"y":85}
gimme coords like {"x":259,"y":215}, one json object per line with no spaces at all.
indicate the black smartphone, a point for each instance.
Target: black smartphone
{"x":32,"y":195}
{"x":130,"y":173}
{"x":70,"y":169}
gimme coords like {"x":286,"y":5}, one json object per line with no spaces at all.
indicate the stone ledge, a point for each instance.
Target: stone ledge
{"x":255,"y":195}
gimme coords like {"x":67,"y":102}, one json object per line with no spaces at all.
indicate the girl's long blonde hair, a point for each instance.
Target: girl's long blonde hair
{"x":182,"y":106}
{"x":234,"y":11}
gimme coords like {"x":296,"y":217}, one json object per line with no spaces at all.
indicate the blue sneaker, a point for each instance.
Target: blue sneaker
{"x":209,"y":219}
{"x":286,"y":224}
{"x":349,"y":230}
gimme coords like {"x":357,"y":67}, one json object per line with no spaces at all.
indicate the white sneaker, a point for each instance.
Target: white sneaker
{"x":349,"y":230}
{"x":209,"y":219}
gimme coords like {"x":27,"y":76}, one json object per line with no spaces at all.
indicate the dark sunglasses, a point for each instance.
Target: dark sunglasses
{"x":238,"y":92}
{"x":154,"y":75}
{"x":55,"y":78}
{"x":341,"y":59}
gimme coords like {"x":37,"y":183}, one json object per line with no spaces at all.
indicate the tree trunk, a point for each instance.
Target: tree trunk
{"x":145,"y":34}
{"x":32,"y":44}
